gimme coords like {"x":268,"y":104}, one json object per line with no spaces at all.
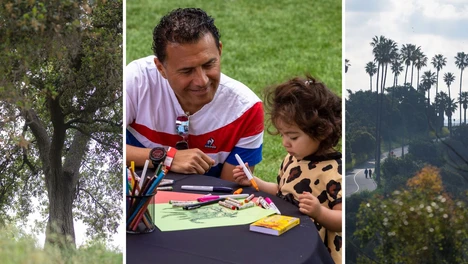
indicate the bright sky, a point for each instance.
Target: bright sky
{"x":80,"y":230}
{"x":438,"y":26}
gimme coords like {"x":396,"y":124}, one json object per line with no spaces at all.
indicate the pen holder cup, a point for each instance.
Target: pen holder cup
{"x":140,"y":214}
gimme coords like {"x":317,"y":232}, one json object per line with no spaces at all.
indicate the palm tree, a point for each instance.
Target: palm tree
{"x":396,"y":68}
{"x":407,"y":51}
{"x":438,"y":61}
{"x":347,"y":65}
{"x":440,"y":102}
{"x":464,"y":102}
{"x":428,"y":79}
{"x":384,"y":50}
{"x":461,"y":60}
{"x":376,"y":44}
{"x":371,"y":69}
{"x":451,"y":107}
{"x":414,"y":57}
{"x":420,"y":61}
{"x":448,"y":79}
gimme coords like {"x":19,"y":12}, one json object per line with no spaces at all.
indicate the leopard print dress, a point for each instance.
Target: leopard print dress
{"x":321,"y":176}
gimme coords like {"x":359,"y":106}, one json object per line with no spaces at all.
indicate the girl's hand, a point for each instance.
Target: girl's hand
{"x":309,"y":205}
{"x":239,"y":176}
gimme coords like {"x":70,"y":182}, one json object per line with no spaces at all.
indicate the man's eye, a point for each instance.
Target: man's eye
{"x":209,"y":65}
{"x":294,"y":138}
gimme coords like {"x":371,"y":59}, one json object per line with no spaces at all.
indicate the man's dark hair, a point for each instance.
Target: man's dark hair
{"x":182,"y":25}
{"x":310,"y":105}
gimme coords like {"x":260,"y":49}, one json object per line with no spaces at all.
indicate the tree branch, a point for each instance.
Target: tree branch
{"x":95,"y":201}
{"x":40,"y":133}
{"x":79,"y":121}
{"x":95,"y":139}
{"x":75,"y":155}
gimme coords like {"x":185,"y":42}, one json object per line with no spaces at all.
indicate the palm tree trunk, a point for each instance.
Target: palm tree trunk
{"x":417,"y":82}
{"x":377,"y":80}
{"x":370,"y":83}
{"x":406,"y":72}
{"x":464,"y":115}
{"x":412,"y":69}
{"x":461,"y":80}
{"x":429,"y":97}
{"x":437,"y":83}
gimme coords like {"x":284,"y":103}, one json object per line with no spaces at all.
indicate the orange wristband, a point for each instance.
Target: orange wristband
{"x":169,"y":157}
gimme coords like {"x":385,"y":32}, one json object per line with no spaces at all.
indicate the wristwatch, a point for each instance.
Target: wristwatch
{"x":157,"y":156}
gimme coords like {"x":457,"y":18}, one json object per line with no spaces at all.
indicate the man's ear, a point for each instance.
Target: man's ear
{"x":160,"y":67}
{"x":220,"y":48}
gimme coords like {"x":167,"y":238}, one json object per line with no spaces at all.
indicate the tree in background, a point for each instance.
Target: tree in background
{"x":61,"y":113}
{"x":371,"y":69}
{"x":438,"y":61}
{"x":347,"y":65}
{"x":418,"y":222}
{"x":407,"y":51}
{"x":464,"y":103}
{"x":461,"y":60}
{"x":420,"y":61}
{"x":427,"y":80}
{"x":448,"y":79}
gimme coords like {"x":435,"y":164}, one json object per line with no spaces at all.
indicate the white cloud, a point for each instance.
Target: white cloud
{"x":437,"y":26}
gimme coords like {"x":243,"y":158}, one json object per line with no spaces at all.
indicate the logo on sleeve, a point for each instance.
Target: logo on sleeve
{"x":210,"y":143}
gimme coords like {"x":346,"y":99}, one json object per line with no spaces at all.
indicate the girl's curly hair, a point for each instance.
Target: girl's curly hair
{"x":310,"y":105}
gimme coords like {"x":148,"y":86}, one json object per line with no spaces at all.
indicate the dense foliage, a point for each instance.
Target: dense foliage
{"x":61,"y":114}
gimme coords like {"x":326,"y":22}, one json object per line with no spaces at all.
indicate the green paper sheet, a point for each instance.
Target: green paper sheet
{"x":170,"y":218}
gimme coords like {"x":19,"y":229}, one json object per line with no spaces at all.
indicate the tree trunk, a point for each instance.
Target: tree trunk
{"x":406,"y":73}
{"x":417,"y":81}
{"x":61,"y":171}
{"x":377,"y":79}
{"x":60,"y":230}
{"x":403,"y":147}
{"x":464,"y":117}
{"x":461,"y":80}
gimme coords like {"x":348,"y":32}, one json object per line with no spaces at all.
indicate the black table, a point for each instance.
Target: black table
{"x":228,"y":244}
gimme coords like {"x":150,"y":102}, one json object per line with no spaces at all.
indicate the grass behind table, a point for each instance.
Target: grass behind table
{"x":264,"y":43}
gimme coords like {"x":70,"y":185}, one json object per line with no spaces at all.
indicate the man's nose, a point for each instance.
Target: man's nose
{"x":200,"y":79}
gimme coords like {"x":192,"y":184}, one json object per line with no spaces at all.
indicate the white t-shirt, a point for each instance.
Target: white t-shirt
{"x":231,"y":123}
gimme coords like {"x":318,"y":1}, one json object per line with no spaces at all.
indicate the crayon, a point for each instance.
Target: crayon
{"x":224,"y":204}
{"x":249,"y":198}
{"x":165,"y":188}
{"x":247,"y":205}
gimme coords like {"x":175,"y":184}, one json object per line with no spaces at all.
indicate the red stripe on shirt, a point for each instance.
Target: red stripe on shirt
{"x":225,"y":138}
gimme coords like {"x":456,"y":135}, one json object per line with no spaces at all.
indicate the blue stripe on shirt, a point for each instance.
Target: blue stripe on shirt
{"x":251,"y":156}
{"x":131,"y":140}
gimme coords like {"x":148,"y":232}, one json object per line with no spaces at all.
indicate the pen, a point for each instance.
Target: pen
{"x":272,"y":205}
{"x":143,"y":174}
{"x":212,"y":197}
{"x":207,"y":188}
{"x":198,"y":205}
{"x":247,"y":172}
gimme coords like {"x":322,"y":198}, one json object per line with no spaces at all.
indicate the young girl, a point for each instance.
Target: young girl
{"x":307,"y":115}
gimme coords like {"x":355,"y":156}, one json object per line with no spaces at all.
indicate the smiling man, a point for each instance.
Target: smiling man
{"x":182,"y":111}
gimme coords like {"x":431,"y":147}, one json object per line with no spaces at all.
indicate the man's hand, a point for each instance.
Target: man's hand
{"x":191,"y":161}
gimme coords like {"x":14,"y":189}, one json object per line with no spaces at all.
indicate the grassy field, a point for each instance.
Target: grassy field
{"x":18,"y":247}
{"x":264,"y":43}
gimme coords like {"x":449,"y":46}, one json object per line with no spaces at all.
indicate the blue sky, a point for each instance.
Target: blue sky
{"x":439,"y":27}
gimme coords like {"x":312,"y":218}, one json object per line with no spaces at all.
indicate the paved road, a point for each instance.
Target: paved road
{"x":356,"y":180}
